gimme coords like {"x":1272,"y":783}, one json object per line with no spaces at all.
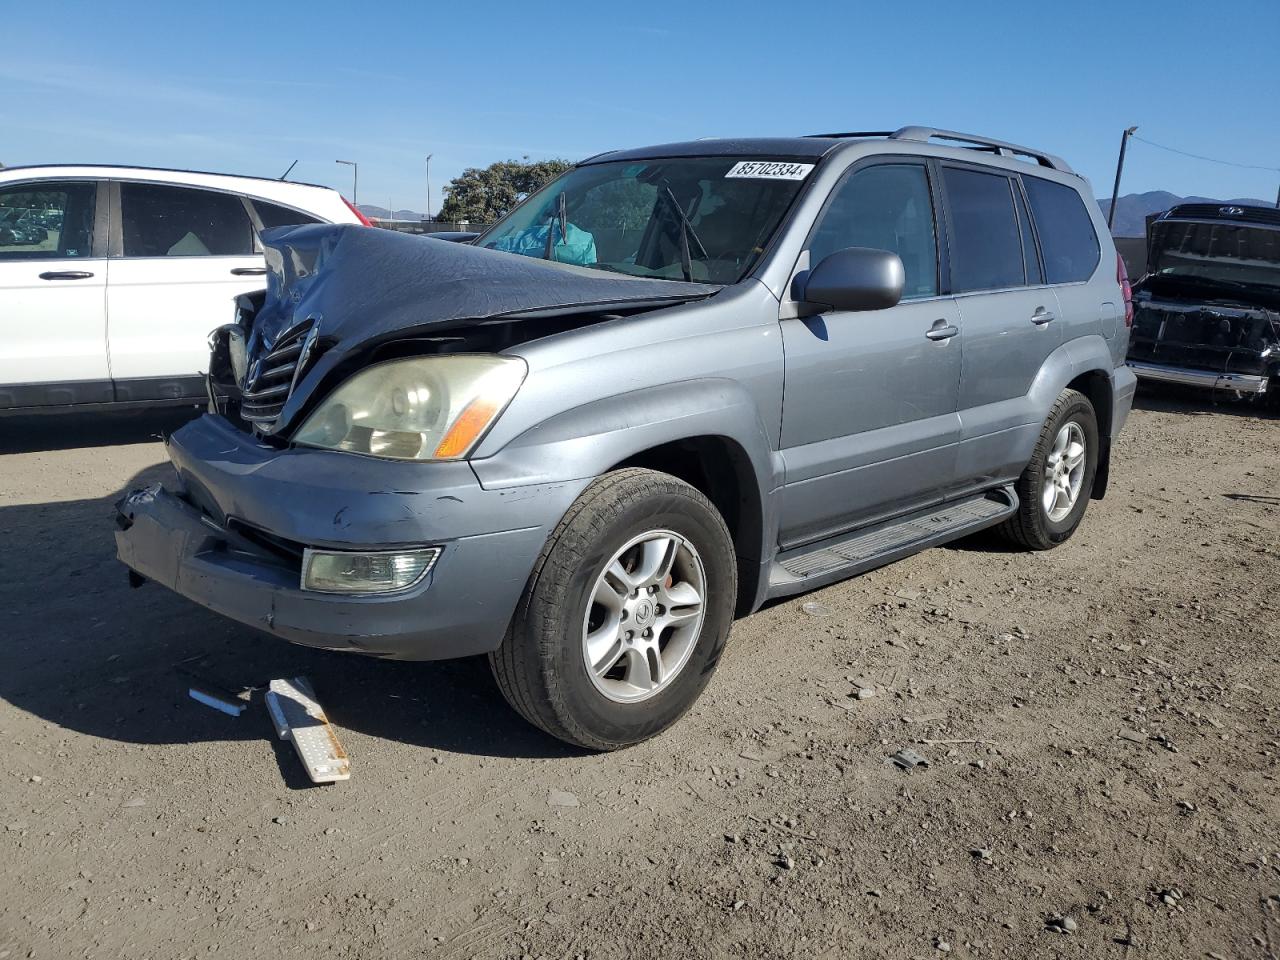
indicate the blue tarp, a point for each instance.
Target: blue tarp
{"x":577,"y":247}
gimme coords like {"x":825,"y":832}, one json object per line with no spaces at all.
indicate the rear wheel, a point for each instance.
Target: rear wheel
{"x":626,"y":613}
{"x":1055,"y":487}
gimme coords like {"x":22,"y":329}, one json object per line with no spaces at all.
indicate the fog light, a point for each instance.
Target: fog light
{"x":328,"y":571}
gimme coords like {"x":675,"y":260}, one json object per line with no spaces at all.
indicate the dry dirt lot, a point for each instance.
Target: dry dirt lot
{"x":1101,"y":723}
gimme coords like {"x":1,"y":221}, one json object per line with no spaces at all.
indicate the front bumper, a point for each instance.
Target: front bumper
{"x":1237,"y":382}
{"x":210,"y":539}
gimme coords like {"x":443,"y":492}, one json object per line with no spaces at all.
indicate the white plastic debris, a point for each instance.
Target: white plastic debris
{"x":298,"y":717}
{"x":210,"y":698}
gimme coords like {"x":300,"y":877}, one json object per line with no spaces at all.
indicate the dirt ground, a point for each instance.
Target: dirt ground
{"x":1101,"y":724}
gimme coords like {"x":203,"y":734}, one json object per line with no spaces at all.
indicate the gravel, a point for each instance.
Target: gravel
{"x":470,"y":857}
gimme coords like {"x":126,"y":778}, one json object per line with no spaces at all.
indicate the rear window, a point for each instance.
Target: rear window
{"x":1067,"y":237}
{"x":274,"y":215}
{"x":163,"y":221}
{"x":986,"y":247}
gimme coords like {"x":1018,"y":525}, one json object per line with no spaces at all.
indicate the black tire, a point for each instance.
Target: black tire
{"x":1273,"y":394}
{"x":540,"y":667}
{"x":1031,"y":526}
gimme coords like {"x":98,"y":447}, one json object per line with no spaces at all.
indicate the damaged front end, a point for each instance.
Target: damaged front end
{"x":394,"y":347}
{"x":339,"y":299}
{"x":1208,"y":312}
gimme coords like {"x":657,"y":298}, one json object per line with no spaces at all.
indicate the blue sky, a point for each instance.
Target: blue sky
{"x":249,"y":88}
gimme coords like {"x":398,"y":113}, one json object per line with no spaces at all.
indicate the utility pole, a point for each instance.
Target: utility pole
{"x":1115,"y":191}
{"x":429,"y":156}
{"x":355,"y":177}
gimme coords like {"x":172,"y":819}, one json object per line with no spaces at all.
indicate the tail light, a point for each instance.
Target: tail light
{"x":356,"y":210}
{"x":1126,"y":290}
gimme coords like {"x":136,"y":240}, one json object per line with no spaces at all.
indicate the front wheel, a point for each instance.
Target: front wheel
{"x":1055,"y":487}
{"x":625,"y":616}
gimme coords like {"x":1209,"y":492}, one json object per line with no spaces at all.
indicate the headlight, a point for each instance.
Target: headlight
{"x":422,"y":408}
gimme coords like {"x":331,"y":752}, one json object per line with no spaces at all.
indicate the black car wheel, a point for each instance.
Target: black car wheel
{"x":1055,"y":487}
{"x":625,"y":615}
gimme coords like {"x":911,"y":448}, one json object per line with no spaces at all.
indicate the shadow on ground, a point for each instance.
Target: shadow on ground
{"x":83,"y":650}
{"x":30,"y":434}
{"x":1169,"y":398}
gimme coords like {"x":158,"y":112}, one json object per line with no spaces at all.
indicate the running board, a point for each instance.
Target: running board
{"x":848,"y":555}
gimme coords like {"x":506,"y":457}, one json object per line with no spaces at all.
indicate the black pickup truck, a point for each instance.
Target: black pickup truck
{"x":1207,"y":313}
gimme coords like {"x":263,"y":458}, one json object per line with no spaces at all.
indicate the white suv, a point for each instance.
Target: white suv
{"x":112,"y":278}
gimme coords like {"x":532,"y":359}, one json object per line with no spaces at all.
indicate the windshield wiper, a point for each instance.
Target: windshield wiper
{"x":686,"y":232}
{"x":560,"y":214}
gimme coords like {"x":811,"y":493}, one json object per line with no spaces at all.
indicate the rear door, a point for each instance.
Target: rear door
{"x":180,"y":257}
{"x":1010,"y":316}
{"x":53,"y":274}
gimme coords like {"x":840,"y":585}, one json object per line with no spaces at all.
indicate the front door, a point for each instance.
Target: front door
{"x":185,"y":254}
{"x":53,"y":330}
{"x":869,"y":411}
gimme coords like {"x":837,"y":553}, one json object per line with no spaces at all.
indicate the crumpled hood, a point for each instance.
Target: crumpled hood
{"x":356,"y":287}
{"x":366,"y":284}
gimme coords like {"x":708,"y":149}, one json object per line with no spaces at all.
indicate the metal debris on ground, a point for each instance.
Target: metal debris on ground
{"x":221,"y":700}
{"x":906,"y":759}
{"x":298,"y":717}
{"x":213,"y":691}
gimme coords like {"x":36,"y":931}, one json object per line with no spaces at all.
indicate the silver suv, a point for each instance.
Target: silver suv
{"x":675,"y":383}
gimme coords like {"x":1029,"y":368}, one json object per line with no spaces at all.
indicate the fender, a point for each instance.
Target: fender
{"x":1069,"y":361}
{"x":998,"y":439}
{"x":591,"y":439}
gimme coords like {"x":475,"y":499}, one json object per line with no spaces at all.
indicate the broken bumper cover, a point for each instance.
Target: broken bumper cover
{"x":204,"y":540}
{"x":1164,"y":373}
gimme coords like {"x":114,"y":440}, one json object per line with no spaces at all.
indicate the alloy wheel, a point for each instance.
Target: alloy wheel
{"x":643,"y":616}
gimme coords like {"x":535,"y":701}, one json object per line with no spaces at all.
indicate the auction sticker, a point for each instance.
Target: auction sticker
{"x":770,"y":170}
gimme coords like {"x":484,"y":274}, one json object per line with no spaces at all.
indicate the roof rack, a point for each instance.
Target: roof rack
{"x":972,"y":141}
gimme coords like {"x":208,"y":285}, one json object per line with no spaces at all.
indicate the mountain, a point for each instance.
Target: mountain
{"x":374,"y":212}
{"x":1132,"y":209}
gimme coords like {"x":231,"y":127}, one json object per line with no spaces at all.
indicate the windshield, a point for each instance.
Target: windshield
{"x":1220,"y":253}
{"x":701,"y":219}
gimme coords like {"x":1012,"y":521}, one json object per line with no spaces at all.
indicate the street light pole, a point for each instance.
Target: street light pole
{"x":355,"y":177}
{"x":429,"y":156}
{"x":1115,"y":191}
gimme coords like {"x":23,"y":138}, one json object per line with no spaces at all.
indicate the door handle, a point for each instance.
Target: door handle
{"x":941,"y":330}
{"x":248,"y":271}
{"x":1041,"y":317}
{"x":66,"y":275}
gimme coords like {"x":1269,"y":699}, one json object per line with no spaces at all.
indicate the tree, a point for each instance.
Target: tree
{"x":484,"y":195}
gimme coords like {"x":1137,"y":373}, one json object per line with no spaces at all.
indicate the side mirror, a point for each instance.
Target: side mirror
{"x":856,"y":278}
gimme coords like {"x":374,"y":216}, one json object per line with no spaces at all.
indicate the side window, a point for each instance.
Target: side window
{"x":1067,"y":237}
{"x":1029,"y":256}
{"x":274,"y":215}
{"x":162,"y":221}
{"x":47,"y":221}
{"x":887,"y":207}
{"x":986,"y":248}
